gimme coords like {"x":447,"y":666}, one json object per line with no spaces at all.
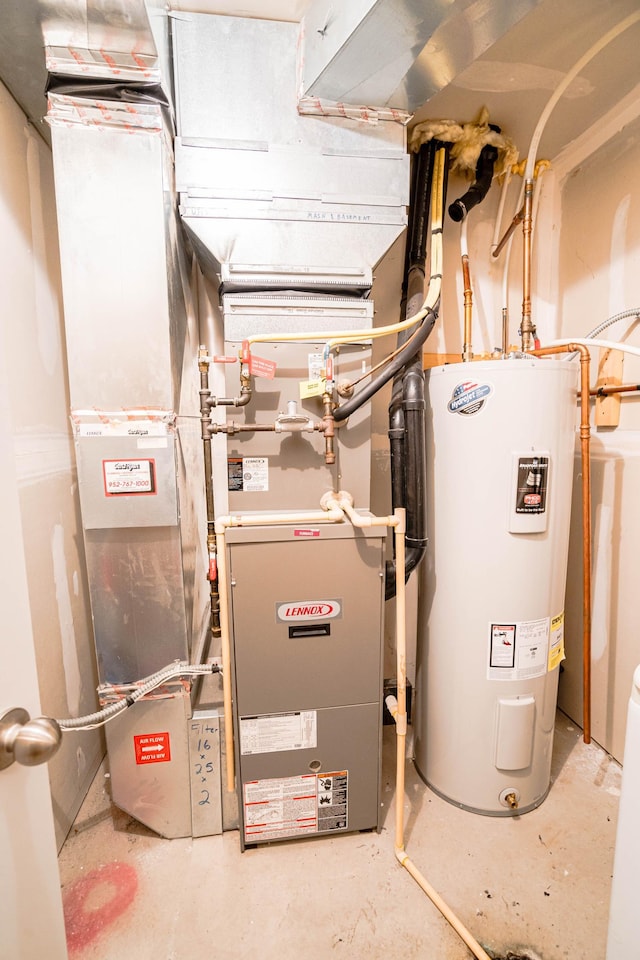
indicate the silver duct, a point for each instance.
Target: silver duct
{"x":261,"y":185}
{"x":131,"y":341}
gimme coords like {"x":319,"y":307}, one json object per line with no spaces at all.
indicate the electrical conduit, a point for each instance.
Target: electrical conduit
{"x":172,"y":671}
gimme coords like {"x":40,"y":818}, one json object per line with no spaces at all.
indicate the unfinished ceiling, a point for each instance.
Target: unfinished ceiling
{"x":453,"y":76}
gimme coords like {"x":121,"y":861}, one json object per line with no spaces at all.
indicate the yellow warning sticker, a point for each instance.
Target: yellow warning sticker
{"x":556,"y":645}
{"x":311,"y":388}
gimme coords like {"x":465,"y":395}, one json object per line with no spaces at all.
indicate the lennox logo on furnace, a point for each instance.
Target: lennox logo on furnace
{"x":289,"y":610}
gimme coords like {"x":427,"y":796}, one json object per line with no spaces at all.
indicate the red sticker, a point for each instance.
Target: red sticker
{"x":306,"y":532}
{"x":152,"y":748}
{"x":261,"y":367}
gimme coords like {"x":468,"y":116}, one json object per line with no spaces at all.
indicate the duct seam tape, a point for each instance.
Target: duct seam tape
{"x":131,"y":423}
{"x":314,"y":106}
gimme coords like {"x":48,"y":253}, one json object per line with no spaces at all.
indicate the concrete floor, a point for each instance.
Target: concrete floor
{"x":536,"y":886}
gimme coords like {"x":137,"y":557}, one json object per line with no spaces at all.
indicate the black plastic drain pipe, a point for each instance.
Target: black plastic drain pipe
{"x":407,"y":406}
{"x":480,"y":186}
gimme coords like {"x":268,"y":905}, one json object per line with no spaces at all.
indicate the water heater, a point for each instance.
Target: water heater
{"x":500,"y":443}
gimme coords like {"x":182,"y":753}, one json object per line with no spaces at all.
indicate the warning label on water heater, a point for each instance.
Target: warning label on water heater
{"x":284,"y":807}
{"x":531,"y":495}
{"x":556,"y":641}
{"x":518,"y":651}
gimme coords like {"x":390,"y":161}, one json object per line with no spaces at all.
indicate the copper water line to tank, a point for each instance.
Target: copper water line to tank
{"x":607,"y":389}
{"x":585,"y":458}
{"x":467,"y":348}
{"x":527,"y":326}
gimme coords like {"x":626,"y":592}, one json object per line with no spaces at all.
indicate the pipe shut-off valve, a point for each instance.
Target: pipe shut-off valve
{"x":26,"y":741}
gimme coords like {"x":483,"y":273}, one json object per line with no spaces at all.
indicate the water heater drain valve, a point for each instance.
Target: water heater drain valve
{"x":510,"y":797}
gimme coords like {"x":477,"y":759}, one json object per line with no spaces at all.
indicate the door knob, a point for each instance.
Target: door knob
{"x":28,"y":742}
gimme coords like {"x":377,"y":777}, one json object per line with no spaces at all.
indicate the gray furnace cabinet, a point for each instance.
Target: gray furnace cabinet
{"x":307,"y":636}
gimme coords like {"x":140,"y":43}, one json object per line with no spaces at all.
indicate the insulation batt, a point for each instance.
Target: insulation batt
{"x":468,"y":139}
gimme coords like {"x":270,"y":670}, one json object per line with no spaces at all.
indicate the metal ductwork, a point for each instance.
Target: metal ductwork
{"x":108,"y":42}
{"x":131,"y":338}
{"x":248,"y":166}
{"x":397,"y":53}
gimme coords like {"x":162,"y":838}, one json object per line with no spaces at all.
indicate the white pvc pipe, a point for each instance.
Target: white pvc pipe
{"x":464,"y":245}
{"x":606,"y":344}
{"x":507,"y":259}
{"x":344,"y":502}
{"x":566,"y":80}
{"x":501,"y":205}
{"x":399,"y":712}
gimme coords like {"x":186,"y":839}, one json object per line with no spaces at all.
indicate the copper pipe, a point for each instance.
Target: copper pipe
{"x":585,"y":444}
{"x":519,"y":217}
{"x":528,"y":327}
{"x":607,"y":389}
{"x":467,"y":351}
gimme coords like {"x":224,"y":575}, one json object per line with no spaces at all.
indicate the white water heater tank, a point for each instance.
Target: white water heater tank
{"x":500,"y":445}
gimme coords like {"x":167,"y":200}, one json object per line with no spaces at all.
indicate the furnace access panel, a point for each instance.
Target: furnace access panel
{"x":307,"y":615}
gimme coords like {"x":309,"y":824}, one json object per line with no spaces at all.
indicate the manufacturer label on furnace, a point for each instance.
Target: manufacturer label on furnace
{"x":248,"y":474}
{"x":271,"y":733}
{"x":295,"y":611}
{"x":295,"y":806}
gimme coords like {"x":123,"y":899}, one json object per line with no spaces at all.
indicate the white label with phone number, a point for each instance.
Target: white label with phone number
{"x":128,"y":476}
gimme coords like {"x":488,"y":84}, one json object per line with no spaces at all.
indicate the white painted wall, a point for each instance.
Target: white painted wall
{"x":599,"y":275}
{"x":32,"y":341}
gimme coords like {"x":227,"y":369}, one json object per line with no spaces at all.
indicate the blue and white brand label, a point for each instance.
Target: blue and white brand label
{"x":469,"y":397}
